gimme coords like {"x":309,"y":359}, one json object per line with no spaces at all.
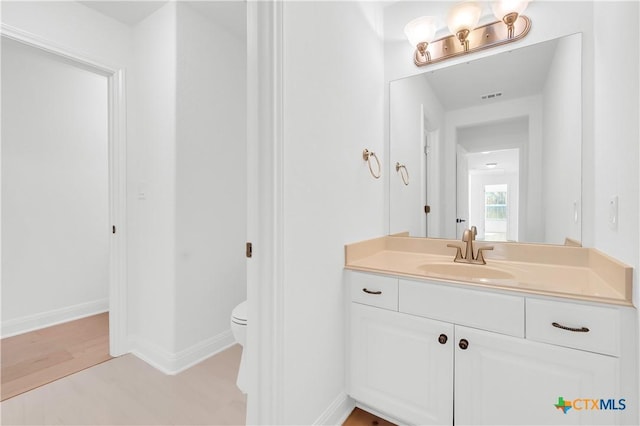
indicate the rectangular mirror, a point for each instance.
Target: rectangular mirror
{"x":494,"y":142}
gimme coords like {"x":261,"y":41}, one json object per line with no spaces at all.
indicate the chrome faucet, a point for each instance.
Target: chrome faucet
{"x":468,"y":237}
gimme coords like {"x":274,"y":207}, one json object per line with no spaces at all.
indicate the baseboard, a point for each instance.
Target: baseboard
{"x":173,"y":363}
{"x":203,"y":350}
{"x":152,"y":354}
{"x":337,"y":412}
{"x":56,"y":316}
{"x":377,"y":413}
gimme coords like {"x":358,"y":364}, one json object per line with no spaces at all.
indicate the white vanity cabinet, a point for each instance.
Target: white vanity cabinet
{"x":445,"y":354}
{"x":402,"y":364}
{"x":505,"y":380}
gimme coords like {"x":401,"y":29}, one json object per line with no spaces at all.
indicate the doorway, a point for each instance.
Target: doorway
{"x":62,"y":194}
{"x":490,"y":193}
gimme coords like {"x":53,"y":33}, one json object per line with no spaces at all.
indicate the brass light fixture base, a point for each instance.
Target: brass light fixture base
{"x":510,"y":19}
{"x":462,"y":36}
{"x":484,"y":37}
{"x":421,"y":51}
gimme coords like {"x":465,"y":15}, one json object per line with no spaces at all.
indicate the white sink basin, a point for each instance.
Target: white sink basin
{"x":465,"y":271}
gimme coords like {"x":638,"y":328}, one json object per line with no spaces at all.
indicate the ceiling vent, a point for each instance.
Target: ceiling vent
{"x":491,"y":95}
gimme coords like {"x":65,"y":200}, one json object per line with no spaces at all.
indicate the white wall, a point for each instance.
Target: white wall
{"x":412,"y":102}
{"x":561,"y":144}
{"x":55,"y":240}
{"x":616,"y":133}
{"x":211,"y":175}
{"x":151,"y":187}
{"x":333,"y":106}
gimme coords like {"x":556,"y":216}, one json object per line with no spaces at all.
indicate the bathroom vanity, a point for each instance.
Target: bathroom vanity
{"x":510,"y":342}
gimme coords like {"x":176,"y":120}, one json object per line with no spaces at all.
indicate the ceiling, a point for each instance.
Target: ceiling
{"x":127,"y":12}
{"x":506,"y":161}
{"x":514,"y":74}
{"x":229,"y":14}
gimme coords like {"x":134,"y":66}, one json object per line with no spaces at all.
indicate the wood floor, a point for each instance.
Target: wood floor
{"x":127,"y":391}
{"x":39,"y":357}
{"x":121,"y":391}
{"x":360,"y":417}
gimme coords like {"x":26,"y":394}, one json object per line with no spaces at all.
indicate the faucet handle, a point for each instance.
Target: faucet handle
{"x":474,"y":231}
{"x":458,"y":252}
{"x":480,"y":256}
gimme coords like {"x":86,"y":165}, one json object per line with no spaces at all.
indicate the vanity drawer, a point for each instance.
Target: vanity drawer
{"x":473,"y":308}
{"x":374,"y":290}
{"x":603,"y":324}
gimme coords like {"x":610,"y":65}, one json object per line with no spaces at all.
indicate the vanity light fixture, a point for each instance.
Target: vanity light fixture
{"x":466,"y":38}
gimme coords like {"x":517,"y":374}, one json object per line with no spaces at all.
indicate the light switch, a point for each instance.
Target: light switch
{"x":613,"y":212}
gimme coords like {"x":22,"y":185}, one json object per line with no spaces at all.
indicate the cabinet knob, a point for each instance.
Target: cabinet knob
{"x":443,"y":339}
{"x":464,"y":344}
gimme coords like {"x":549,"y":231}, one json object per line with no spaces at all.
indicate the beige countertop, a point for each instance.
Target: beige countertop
{"x":568,"y":272}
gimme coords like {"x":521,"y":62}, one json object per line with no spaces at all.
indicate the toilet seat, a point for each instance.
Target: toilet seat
{"x":239,"y":314}
{"x":239,"y":330}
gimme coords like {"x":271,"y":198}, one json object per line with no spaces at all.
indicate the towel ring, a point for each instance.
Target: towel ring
{"x":366,"y":155}
{"x":404,"y":173}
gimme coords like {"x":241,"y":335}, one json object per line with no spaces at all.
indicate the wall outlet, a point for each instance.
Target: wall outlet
{"x":613,"y":212}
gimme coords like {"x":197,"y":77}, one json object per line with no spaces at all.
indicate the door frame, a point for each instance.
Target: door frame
{"x":462,"y":190}
{"x":265,"y":212}
{"x":117,"y":177}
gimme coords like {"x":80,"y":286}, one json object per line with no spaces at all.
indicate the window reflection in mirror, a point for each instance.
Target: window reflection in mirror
{"x":494,"y":143}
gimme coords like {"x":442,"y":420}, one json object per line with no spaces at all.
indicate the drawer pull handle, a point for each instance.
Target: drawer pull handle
{"x":371,"y":292}
{"x":575,"y":330}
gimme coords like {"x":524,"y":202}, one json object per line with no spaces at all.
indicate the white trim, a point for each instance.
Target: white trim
{"x":337,"y":412}
{"x":174,"y":363}
{"x":50,"y":46}
{"x":377,"y":413}
{"x":265,"y":212}
{"x":117,"y":176}
{"x":53,"y":317}
{"x":151,"y":353}
{"x":118,"y":214}
{"x":199,"y":352}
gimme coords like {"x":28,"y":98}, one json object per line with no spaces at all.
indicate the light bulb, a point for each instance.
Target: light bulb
{"x":508,"y":11}
{"x":463,"y":16}
{"x":421,"y":30}
{"x":462,"y":19}
{"x":502,"y":8}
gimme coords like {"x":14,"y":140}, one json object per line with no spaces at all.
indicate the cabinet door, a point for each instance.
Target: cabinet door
{"x":399,"y":366}
{"x":505,"y":380}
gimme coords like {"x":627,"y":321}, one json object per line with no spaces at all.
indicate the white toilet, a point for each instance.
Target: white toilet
{"x":239,"y":330}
